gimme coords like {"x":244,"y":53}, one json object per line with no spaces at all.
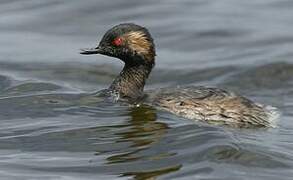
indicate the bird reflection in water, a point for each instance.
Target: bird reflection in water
{"x":144,"y":133}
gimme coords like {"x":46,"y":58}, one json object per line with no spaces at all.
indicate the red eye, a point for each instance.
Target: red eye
{"x":118,"y":41}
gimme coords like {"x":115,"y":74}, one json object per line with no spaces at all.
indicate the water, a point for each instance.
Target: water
{"x":53,"y":128}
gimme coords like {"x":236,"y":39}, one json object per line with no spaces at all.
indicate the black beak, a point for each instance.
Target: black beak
{"x":88,"y":51}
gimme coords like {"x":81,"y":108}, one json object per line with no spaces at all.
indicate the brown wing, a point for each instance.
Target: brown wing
{"x":212,"y":105}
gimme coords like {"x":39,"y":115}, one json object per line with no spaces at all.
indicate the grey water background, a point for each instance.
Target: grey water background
{"x":52,"y":128}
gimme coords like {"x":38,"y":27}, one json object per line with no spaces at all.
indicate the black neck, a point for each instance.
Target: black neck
{"x":131,"y":80}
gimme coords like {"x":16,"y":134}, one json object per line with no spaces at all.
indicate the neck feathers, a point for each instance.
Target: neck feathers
{"x":131,"y":80}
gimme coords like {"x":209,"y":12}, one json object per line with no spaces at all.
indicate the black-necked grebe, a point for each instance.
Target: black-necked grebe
{"x":134,"y":45}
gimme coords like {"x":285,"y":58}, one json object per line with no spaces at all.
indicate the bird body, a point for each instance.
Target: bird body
{"x":215,"y":106}
{"x":134,"y":45}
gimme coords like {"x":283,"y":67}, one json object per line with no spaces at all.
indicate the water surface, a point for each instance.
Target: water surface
{"x":52,"y":127}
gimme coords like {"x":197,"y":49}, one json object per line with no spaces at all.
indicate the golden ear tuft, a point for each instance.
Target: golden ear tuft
{"x":139,"y":42}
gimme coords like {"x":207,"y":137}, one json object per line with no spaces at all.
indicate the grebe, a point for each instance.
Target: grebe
{"x":134,"y":45}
